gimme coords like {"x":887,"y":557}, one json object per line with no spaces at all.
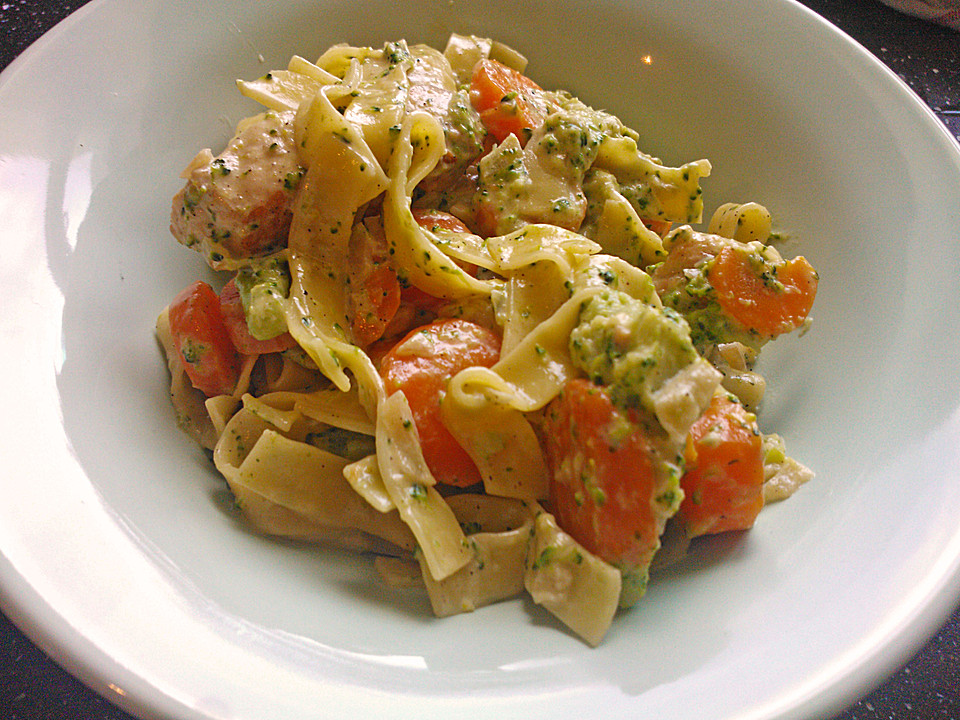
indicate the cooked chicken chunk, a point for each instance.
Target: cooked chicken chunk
{"x":238,"y":205}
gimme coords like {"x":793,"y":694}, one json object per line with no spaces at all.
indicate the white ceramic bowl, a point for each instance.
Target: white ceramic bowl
{"x":121,"y":554}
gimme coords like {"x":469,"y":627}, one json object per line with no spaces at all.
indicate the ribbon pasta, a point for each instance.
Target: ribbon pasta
{"x":420,"y":257}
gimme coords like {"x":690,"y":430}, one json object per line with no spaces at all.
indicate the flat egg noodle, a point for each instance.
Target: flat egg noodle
{"x":278,"y":409}
{"x":272,"y":519}
{"x":495,"y":572}
{"x":330,"y":407}
{"x":364,"y":477}
{"x":669,"y":193}
{"x":281,"y":373}
{"x":378,"y":101}
{"x":283,"y":90}
{"x":333,"y":408}
{"x":338,"y":59}
{"x":529,"y":297}
{"x":342,"y":175}
{"x":618,"y":227}
{"x":617,"y":274}
{"x":501,"y":530}
{"x":337,"y":408}
{"x":277,"y":467}
{"x":539,"y":262}
{"x":576,"y":586}
{"x":220,"y":409}
{"x":410,"y":485}
{"x":415,"y":251}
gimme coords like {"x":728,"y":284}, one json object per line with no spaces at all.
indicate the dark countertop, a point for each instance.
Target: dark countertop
{"x":925,"y":56}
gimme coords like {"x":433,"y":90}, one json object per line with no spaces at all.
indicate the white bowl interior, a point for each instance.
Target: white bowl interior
{"x":123,"y":554}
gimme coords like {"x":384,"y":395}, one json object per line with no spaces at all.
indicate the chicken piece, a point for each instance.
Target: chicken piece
{"x":238,"y":205}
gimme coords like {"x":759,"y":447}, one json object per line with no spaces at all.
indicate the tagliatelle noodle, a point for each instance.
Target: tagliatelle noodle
{"x":342,"y":175}
{"x":258,"y":461}
{"x":410,"y":485}
{"x":424,"y":264}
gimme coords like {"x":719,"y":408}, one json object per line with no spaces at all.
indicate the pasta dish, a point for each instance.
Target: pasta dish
{"x":465,"y":325}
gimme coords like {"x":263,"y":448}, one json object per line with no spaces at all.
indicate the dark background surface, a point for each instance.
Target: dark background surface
{"x":925,"y":56}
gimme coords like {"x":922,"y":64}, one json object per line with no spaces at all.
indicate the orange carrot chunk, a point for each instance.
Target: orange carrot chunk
{"x":375,"y":304}
{"x":442,"y":349}
{"x":439,"y":220}
{"x":508,"y":101}
{"x":768,"y":299}
{"x":604,"y":487}
{"x":723,"y":485}
{"x":202,"y":341}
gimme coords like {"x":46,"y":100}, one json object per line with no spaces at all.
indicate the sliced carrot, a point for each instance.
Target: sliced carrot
{"x":202,"y":340}
{"x":770,"y":299}
{"x":375,"y":304}
{"x":723,"y":484}
{"x":660,"y":227}
{"x":231,"y":306}
{"x":508,"y":101}
{"x":439,"y":220}
{"x":421,"y":365}
{"x":410,"y":295}
{"x":488,"y":218}
{"x":605,"y":490}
